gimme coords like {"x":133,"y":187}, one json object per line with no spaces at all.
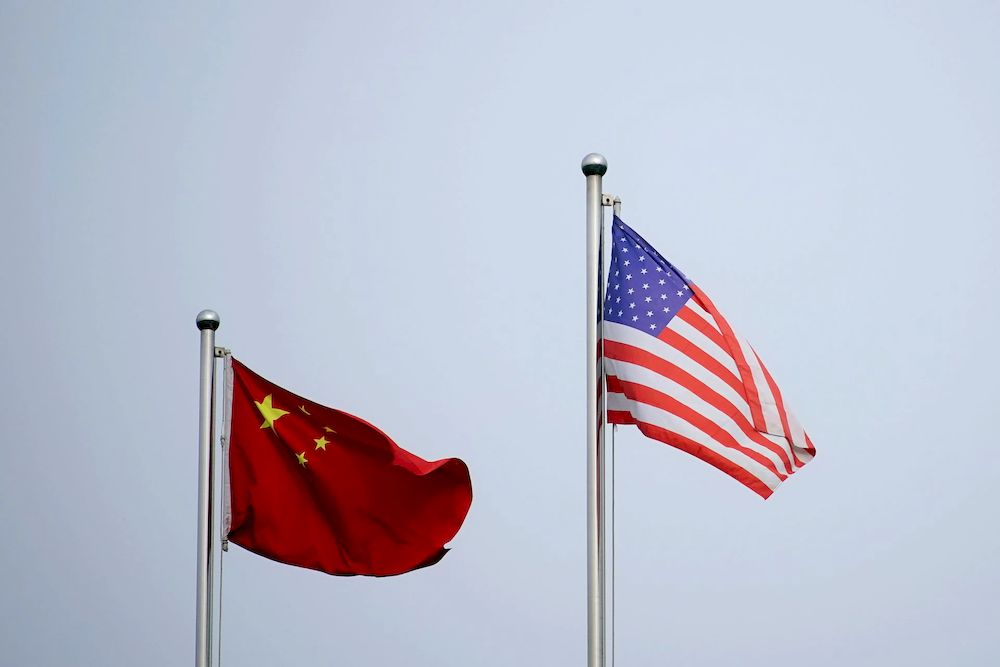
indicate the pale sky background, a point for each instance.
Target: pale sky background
{"x":384,"y":203}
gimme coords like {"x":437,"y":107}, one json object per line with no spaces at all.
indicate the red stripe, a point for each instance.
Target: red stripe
{"x":620,"y":417}
{"x":677,"y":440}
{"x":707,"y":361}
{"x":781,"y":408}
{"x":634,"y":355}
{"x":809,"y":444}
{"x":749,"y":387}
{"x":699,"y":323}
{"x":644,"y":394}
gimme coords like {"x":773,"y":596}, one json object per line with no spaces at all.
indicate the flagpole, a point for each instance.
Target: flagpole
{"x":208,"y":322}
{"x":594,"y":167}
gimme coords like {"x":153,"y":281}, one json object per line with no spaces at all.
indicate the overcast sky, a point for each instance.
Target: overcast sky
{"x":385,"y":205}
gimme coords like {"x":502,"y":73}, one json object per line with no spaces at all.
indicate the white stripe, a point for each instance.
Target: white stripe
{"x":782,"y":442}
{"x":700,"y":340}
{"x":703,"y":314}
{"x":622,"y":333}
{"x":665,"y":420}
{"x":798,"y":438}
{"x":797,"y":432}
{"x":643,"y":376}
{"x":772,"y":418}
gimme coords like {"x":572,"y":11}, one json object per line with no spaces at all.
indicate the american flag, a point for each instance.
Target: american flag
{"x":676,"y":369}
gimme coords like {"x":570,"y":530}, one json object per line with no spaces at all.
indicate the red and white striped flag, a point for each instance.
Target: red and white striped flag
{"x":676,"y":369}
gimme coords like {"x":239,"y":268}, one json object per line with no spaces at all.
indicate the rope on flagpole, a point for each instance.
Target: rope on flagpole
{"x":604,"y":421}
{"x":614,"y":564}
{"x":616,"y":207}
{"x":218,"y":633}
{"x":223,"y":475}
{"x":615,"y":203}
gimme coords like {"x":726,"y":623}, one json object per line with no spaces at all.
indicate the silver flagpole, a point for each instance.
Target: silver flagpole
{"x":594,"y":167}
{"x":208,"y":322}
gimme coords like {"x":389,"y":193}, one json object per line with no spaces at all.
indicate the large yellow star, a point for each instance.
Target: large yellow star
{"x":301,"y":456}
{"x":321,"y":442}
{"x":270,"y":413}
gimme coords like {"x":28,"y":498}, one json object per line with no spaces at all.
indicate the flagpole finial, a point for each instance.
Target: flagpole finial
{"x":594,"y":164}
{"x":208,"y":319}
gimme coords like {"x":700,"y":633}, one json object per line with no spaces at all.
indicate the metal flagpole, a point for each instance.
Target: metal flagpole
{"x":594,"y":167}
{"x":208,"y":322}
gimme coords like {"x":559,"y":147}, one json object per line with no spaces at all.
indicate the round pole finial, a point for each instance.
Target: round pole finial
{"x":208,"y":319}
{"x":594,"y":164}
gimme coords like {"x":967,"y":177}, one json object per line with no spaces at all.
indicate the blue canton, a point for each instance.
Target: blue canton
{"x":645,"y":291}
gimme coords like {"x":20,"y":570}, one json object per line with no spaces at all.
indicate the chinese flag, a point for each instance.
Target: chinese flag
{"x":319,"y":488}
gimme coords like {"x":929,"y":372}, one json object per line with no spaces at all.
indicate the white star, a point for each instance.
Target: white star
{"x":631,"y":305}
{"x":624,"y":249}
{"x":626,"y":262}
{"x":660,"y":269}
{"x":649,"y":313}
{"x":645,"y":286}
{"x":616,"y":274}
{"x":618,"y":300}
{"x":644,"y":272}
{"x":619,"y":313}
{"x":652,"y":326}
{"x":663,"y":296}
{"x":680,"y":293}
{"x":642,"y":258}
{"x":686,"y":288}
{"x":638,"y":247}
{"x":666,"y":310}
{"x":630,"y":290}
{"x":662,"y":281}
{"x":635,"y":317}
{"x":669,"y":274}
{"x":648,"y":299}
{"x":616,"y":285}
{"x":628,"y":276}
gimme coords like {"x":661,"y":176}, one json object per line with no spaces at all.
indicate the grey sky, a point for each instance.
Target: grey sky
{"x":384,"y":204}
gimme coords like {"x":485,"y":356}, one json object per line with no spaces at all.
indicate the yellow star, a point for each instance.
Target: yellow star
{"x":304,"y":411}
{"x":321,"y":443}
{"x":270,"y":413}
{"x":301,"y":456}
{"x":328,"y":429}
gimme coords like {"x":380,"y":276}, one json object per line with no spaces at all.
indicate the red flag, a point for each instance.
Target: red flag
{"x":319,"y":488}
